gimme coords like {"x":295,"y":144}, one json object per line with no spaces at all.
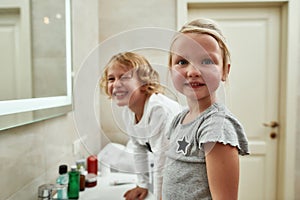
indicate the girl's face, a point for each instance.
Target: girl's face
{"x":123,"y":85}
{"x":197,"y":66}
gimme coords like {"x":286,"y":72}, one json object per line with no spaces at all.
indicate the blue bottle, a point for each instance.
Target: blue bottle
{"x":62,"y":182}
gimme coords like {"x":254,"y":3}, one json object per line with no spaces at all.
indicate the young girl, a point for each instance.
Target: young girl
{"x":130,"y":81}
{"x":205,"y":139}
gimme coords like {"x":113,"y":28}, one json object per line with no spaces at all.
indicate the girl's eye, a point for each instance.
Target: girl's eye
{"x":182,"y":62}
{"x":126,"y":77}
{"x":207,"y":61}
{"x":110,"y":79}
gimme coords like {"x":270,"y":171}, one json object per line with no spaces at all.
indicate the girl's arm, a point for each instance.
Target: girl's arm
{"x":141,"y":163}
{"x":158,"y":126}
{"x":222,"y":164}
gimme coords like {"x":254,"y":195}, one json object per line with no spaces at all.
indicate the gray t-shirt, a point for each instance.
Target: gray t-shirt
{"x":185,"y":175}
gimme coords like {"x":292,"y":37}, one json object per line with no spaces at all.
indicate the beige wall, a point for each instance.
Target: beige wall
{"x":118,"y":16}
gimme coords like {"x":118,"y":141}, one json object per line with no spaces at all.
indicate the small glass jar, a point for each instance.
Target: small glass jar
{"x":90,"y":180}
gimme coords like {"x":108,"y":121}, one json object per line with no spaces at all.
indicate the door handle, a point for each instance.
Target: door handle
{"x":272,"y":124}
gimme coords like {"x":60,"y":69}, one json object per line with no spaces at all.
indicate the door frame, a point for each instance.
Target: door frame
{"x":288,"y":84}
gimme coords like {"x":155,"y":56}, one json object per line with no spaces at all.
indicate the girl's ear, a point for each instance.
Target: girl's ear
{"x":226,"y":72}
{"x":143,"y":88}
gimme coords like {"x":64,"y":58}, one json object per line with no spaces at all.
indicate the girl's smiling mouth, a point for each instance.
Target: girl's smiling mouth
{"x":120,"y":94}
{"x":195,"y":84}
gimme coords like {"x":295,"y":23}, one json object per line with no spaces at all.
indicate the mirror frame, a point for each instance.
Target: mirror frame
{"x":8,"y":107}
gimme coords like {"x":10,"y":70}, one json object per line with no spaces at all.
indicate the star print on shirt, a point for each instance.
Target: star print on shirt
{"x":182,"y":146}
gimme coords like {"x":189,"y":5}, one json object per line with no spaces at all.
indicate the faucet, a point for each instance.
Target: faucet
{"x":45,"y":191}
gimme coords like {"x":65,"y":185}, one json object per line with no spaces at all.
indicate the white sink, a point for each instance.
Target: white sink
{"x":104,"y":190}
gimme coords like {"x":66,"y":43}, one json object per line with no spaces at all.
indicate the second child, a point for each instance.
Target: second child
{"x":130,"y":81}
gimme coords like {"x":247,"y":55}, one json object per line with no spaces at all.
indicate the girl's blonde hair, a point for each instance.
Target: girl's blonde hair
{"x":146,"y":74}
{"x":210,"y":27}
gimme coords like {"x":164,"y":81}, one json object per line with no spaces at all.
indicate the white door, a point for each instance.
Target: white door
{"x":253,"y":35}
{"x":15,"y":57}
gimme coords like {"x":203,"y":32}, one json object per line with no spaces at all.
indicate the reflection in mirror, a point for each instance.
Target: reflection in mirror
{"x":35,"y":60}
{"x":48,"y":48}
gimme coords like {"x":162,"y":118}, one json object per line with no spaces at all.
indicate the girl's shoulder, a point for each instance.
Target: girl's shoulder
{"x":178,"y":118}
{"x":218,"y":112}
{"x":220,"y":125}
{"x":160,"y":101}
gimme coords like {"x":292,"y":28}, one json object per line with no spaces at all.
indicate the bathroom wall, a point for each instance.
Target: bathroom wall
{"x":48,"y":58}
{"x":30,"y":155}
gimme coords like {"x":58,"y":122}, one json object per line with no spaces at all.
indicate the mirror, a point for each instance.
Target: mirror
{"x":35,"y":60}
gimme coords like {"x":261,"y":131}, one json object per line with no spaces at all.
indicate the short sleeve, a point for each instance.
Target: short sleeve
{"x":223,"y":128}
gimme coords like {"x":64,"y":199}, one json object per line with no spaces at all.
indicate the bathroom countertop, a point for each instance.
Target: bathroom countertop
{"x":107,"y":191}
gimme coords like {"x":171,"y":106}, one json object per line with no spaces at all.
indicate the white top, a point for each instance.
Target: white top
{"x":159,"y":111}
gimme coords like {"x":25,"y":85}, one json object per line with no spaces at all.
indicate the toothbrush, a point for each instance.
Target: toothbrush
{"x":122,"y":182}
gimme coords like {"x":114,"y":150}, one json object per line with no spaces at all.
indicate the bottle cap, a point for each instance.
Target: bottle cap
{"x":82,"y":171}
{"x":80,"y":163}
{"x":63,"y":169}
{"x":73,"y":168}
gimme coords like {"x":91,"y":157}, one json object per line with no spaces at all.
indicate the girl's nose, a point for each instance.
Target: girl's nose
{"x":193,"y":71}
{"x":117,"y":83}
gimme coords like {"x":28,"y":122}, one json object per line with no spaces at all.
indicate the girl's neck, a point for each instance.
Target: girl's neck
{"x":199,"y":106}
{"x":138,"y":107}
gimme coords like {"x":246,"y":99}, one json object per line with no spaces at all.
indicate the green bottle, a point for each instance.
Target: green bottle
{"x":73,"y":189}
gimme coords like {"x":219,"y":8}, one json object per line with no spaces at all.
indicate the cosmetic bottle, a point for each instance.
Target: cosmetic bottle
{"x":73,"y":189}
{"x":81,"y":163}
{"x":62,"y":182}
{"x":82,"y":178}
{"x":92,"y":165}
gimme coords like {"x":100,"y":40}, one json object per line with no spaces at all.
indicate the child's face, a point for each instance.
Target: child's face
{"x":197,"y":65}
{"x":123,"y":84}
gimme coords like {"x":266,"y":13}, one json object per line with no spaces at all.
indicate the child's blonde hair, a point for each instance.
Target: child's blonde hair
{"x":210,"y":27}
{"x":146,"y":74}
